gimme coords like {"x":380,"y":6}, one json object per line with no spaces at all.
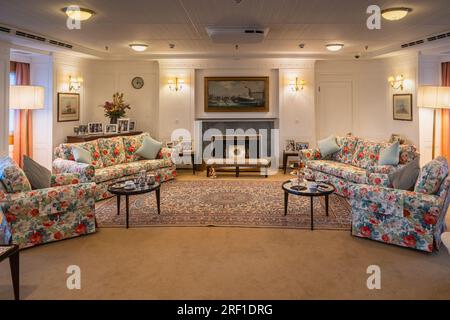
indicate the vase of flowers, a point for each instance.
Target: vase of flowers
{"x":116,"y":109}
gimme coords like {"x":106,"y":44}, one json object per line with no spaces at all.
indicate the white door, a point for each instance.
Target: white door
{"x":335,"y":108}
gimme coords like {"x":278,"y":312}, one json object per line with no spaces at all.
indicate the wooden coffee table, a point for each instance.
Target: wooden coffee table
{"x":290,"y":187}
{"x":138,"y":190}
{"x":12,"y":252}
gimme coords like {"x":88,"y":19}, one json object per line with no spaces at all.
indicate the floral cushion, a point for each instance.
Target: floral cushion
{"x":64,"y":179}
{"x":379,"y":179}
{"x":377,"y":200}
{"x":348,"y":145}
{"x":408,"y":153}
{"x":131,"y":145}
{"x":13,"y":177}
{"x":385,"y":169}
{"x":112,"y":151}
{"x":431,"y":176}
{"x":342,"y":170}
{"x":65,"y":152}
{"x":366,"y":154}
{"x":310,"y":154}
{"x":128,"y":169}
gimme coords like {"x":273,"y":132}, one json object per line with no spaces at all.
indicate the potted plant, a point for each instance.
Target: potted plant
{"x":116,"y":109}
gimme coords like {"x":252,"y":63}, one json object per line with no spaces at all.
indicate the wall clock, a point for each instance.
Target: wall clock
{"x":137,"y":82}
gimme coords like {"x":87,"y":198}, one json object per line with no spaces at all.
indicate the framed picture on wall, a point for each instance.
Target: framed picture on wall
{"x":237,"y":94}
{"x":68,"y":107}
{"x":402,"y":107}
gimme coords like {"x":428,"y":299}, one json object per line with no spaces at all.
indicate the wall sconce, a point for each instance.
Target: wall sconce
{"x":396,"y":82}
{"x":176,"y":85}
{"x":297,"y":85}
{"x":75,"y":83}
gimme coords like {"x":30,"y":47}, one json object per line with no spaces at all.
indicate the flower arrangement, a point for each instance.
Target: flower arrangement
{"x":116,"y":109}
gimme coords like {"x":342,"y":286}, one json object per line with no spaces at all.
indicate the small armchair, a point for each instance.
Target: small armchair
{"x":414,"y":219}
{"x":33,"y":217}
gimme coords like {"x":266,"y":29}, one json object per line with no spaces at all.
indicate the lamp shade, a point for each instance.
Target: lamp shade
{"x":433,"y":97}
{"x":26,"y":97}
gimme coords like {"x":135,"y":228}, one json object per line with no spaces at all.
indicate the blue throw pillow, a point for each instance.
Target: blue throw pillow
{"x":328,"y":146}
{"x":81,"y":155}
{"x":390,"y":155}
{"x":149,"y":149}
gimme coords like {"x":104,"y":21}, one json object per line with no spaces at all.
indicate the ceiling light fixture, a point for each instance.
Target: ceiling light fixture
{"x":334,"y":46}
{"x":139,"y":47}
{"x":77,"y":13}
{"x":394,"y":14}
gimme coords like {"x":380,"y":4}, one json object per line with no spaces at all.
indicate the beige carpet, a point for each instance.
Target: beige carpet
{"x":227,"y":263}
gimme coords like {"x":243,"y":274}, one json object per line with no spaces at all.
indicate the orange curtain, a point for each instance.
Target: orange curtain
{"x":445,"y":138}
{"x":23,"y":138}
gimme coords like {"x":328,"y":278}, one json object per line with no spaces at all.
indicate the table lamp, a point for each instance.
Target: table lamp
{"x":433,"y":97}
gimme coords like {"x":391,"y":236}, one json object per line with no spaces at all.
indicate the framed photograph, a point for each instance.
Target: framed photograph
{"x":95,"y":128}
{"x":301,"y":146}
{"x":111,"y":128}
{"x":237,"y":94}
{"x":290,"y":145}
{"x":132,"y":125}
{"x":402,"y":107}
{"x":124,"y":125}
{"x":68,"y":107}
{"x":83,"y":129}
{"x":397,"y":137}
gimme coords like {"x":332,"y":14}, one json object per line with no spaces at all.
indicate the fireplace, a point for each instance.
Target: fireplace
{"x":238,"y":132}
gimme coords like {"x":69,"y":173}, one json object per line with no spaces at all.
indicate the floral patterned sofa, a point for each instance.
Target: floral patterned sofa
{"x":355,"y":162}
{"x":414,"y":219}
{"x":113,"y":159}
{"x":32,"y":217}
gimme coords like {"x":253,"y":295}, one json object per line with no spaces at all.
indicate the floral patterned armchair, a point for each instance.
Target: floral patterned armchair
{"x":32,"y":217}
{"x":414,"y":219}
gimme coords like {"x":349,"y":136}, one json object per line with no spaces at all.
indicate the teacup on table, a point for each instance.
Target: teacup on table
{"x":313,"y":186}
{"x":129,"y":185}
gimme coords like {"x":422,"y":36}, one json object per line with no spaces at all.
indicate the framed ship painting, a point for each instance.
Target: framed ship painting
{"x":403,"y":107}
{"x":237,"y":94}
{"x":68,"y":107}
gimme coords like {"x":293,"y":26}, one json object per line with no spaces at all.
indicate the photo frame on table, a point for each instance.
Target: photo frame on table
{"x":123,"y":125}
{"x":132,"y":126}
{"x":83,"y":129}
{"x":68,"y":107}
{"x":402,"y":107}
{"x":111,"y":128}
{"x":301,"y":146}
{"x":290,"y":145}
{"x":95,"y":128}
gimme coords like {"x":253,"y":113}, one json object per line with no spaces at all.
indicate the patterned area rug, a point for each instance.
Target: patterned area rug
{"x":225,"y":203}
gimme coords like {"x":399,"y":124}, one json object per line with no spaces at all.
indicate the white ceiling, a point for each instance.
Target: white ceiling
{"x":183,"y":22}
